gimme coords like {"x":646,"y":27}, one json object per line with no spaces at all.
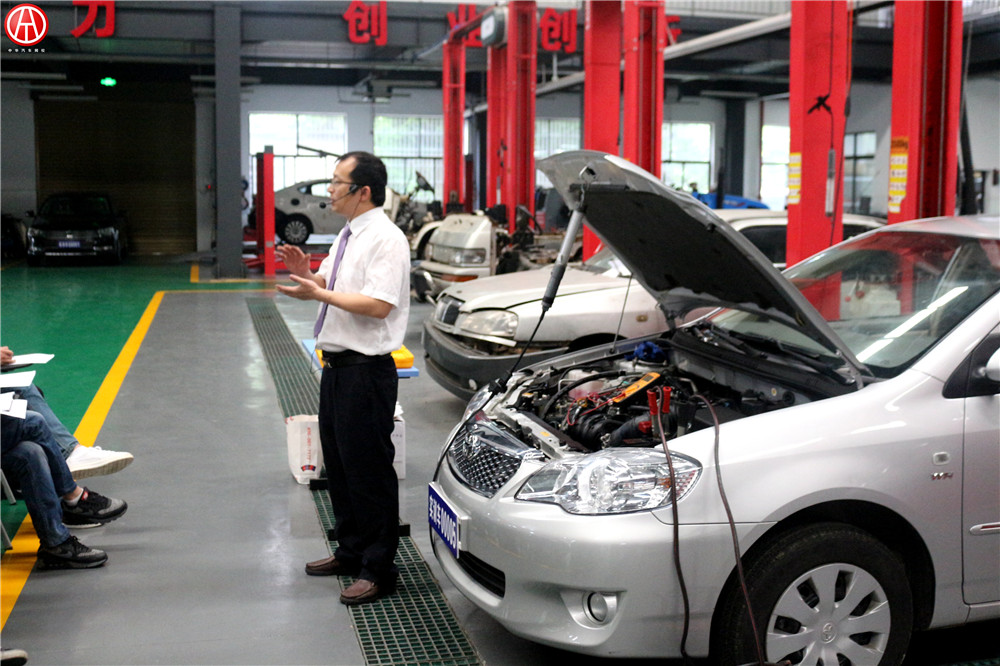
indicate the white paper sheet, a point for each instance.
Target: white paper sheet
{"x":16,"y":379}
{"x":28,"y":359}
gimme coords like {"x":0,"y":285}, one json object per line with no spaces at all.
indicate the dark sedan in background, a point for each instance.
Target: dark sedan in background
{"x":77,"y":224}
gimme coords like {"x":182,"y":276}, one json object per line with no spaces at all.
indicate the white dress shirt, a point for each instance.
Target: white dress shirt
{"x":376,"y":263}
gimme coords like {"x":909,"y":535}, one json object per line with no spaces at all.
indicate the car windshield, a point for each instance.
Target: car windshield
{"x":604,"y":262}
{"x":889,"y":296}
{"x":76,"y":206}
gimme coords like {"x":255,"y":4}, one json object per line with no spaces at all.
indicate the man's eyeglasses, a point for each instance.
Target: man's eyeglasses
{"x":336,"y":181}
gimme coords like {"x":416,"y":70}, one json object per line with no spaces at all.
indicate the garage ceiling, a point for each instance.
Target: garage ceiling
{"x":306,"y":43}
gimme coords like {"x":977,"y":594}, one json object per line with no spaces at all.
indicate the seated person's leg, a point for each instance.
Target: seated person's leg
{"x":28,"y":465}
{"x":84,"y":461}
{"x":37,"y":403}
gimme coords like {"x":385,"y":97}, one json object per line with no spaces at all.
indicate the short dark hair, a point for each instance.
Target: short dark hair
{"x":369,"y":171}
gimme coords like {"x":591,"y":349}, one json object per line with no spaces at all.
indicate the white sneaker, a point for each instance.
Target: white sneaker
{"x":86,"y":461}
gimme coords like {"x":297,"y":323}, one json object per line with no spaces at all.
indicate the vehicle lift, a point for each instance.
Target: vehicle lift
{"x":264,"y":205}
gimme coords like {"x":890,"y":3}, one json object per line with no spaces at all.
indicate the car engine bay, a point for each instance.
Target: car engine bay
{"x":608,"y":402}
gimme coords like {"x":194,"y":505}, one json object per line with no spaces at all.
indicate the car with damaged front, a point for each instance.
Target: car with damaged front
{"x":479,"y":328}
{"x":821,"y":446}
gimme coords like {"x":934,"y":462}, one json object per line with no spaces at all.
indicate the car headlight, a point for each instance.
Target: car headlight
{"x":35,"y":232}
{"x":611,"y":481}
{"x":478,"y":401}
{"x":495,"y":323}
{"x":446,"y":254}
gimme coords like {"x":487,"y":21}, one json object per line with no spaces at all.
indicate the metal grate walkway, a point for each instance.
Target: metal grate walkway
{"x":415,"y":626}
{"x":298,"y":387}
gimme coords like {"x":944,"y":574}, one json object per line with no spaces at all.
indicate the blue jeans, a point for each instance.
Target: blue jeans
{"x":31,"y":455}
{"x":36,"y":403}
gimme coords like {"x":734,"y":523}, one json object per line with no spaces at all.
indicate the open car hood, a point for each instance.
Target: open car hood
{"x":677,"y":248}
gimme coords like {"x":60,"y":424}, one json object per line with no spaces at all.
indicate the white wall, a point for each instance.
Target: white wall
{"x":983,"y":95}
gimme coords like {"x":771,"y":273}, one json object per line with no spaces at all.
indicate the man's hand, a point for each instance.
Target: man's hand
{"x":305,"y":289}
{"x":297,"y":261}
{"x":6,"y":356}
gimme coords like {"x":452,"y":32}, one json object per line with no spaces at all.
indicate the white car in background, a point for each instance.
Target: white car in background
{"x":834,"y":430}
{"x":478,"y":327}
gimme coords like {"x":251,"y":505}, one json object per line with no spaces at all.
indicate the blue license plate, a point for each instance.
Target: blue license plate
{"x":443,"y":519}
{"x":74,"y":244}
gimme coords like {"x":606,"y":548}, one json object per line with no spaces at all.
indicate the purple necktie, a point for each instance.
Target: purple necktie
{"x":333,"y":278}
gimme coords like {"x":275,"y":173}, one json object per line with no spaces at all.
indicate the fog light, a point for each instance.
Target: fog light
{"x":601,"y":607}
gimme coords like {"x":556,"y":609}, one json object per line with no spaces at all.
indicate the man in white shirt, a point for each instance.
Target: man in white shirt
{"x":364,"y":298}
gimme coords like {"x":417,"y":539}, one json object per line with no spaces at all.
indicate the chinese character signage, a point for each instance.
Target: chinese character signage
{"x":464,"y":14}
{"x":558,"y":31}
{"x":367,"y":23}
{"x":93,"y":6}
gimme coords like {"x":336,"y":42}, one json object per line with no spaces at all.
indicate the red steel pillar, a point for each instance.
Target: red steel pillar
{"x":926,"y":90}
{"x":522,"y":64}
{"x":817,"y":82}
{"x":645,"y":36}
{"x":265,"y":210}
{"x":496,"y":144}
{"x":454,"y":118}
{"x":602,"y":54}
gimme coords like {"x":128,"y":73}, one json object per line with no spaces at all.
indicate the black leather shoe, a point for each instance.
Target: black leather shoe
{"x":331,"y":566}
{"x":365,"y":591}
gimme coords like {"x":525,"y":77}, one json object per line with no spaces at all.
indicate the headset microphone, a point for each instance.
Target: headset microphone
{"x":350,"y":190}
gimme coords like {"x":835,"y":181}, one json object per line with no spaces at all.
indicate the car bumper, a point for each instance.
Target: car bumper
{"x":552,"y":564}
{"x":429,"y":278}
{"x":463,"y":371}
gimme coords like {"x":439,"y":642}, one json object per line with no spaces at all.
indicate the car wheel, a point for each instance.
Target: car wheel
{"x":295,"y":230}
{"x":34,"y":260}
{"x":821,"y":594}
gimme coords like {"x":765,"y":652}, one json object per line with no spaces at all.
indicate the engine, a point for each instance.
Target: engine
{"x":631,"y":399}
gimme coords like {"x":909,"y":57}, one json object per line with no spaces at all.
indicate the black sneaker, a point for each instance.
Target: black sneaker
{"x":71,"y":554}
{"x":94,"y":508}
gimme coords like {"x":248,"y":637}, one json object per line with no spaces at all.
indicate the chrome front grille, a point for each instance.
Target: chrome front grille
{"x":446,"y":310}
{"x":485,"y":458}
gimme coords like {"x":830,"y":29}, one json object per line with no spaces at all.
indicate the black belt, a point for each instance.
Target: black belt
{"x":348,"y":357}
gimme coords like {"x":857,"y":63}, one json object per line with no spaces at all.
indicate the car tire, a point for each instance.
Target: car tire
{"x":808,"y":573}
{"x":294,"y":229}
{"x":34,"y":260}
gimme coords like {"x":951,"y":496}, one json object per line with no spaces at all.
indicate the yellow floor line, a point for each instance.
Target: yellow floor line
{"x":94,"y":418}
{"x":15,"y":566}
{"x":19,"y":560}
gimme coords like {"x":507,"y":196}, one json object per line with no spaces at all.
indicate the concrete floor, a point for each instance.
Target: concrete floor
{"x":206,"y":567}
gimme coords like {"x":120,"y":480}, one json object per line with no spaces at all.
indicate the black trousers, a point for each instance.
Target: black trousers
{"x":356,"y":407}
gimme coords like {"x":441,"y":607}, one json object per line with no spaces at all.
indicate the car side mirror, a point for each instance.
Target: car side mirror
{"x":992,"y":369}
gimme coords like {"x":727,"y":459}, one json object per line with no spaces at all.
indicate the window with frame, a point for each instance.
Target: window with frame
{"x":408,"y":144}
{"x":859,"y":171}
{"x":554,"y":135}
{"x":774,"y":149}
{"x":306,"y":145}
{"x":686,"y":161}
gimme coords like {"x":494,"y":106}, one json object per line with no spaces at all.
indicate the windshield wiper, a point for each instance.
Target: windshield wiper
{"x":824,"y":365}
{"x":712,"y":334}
